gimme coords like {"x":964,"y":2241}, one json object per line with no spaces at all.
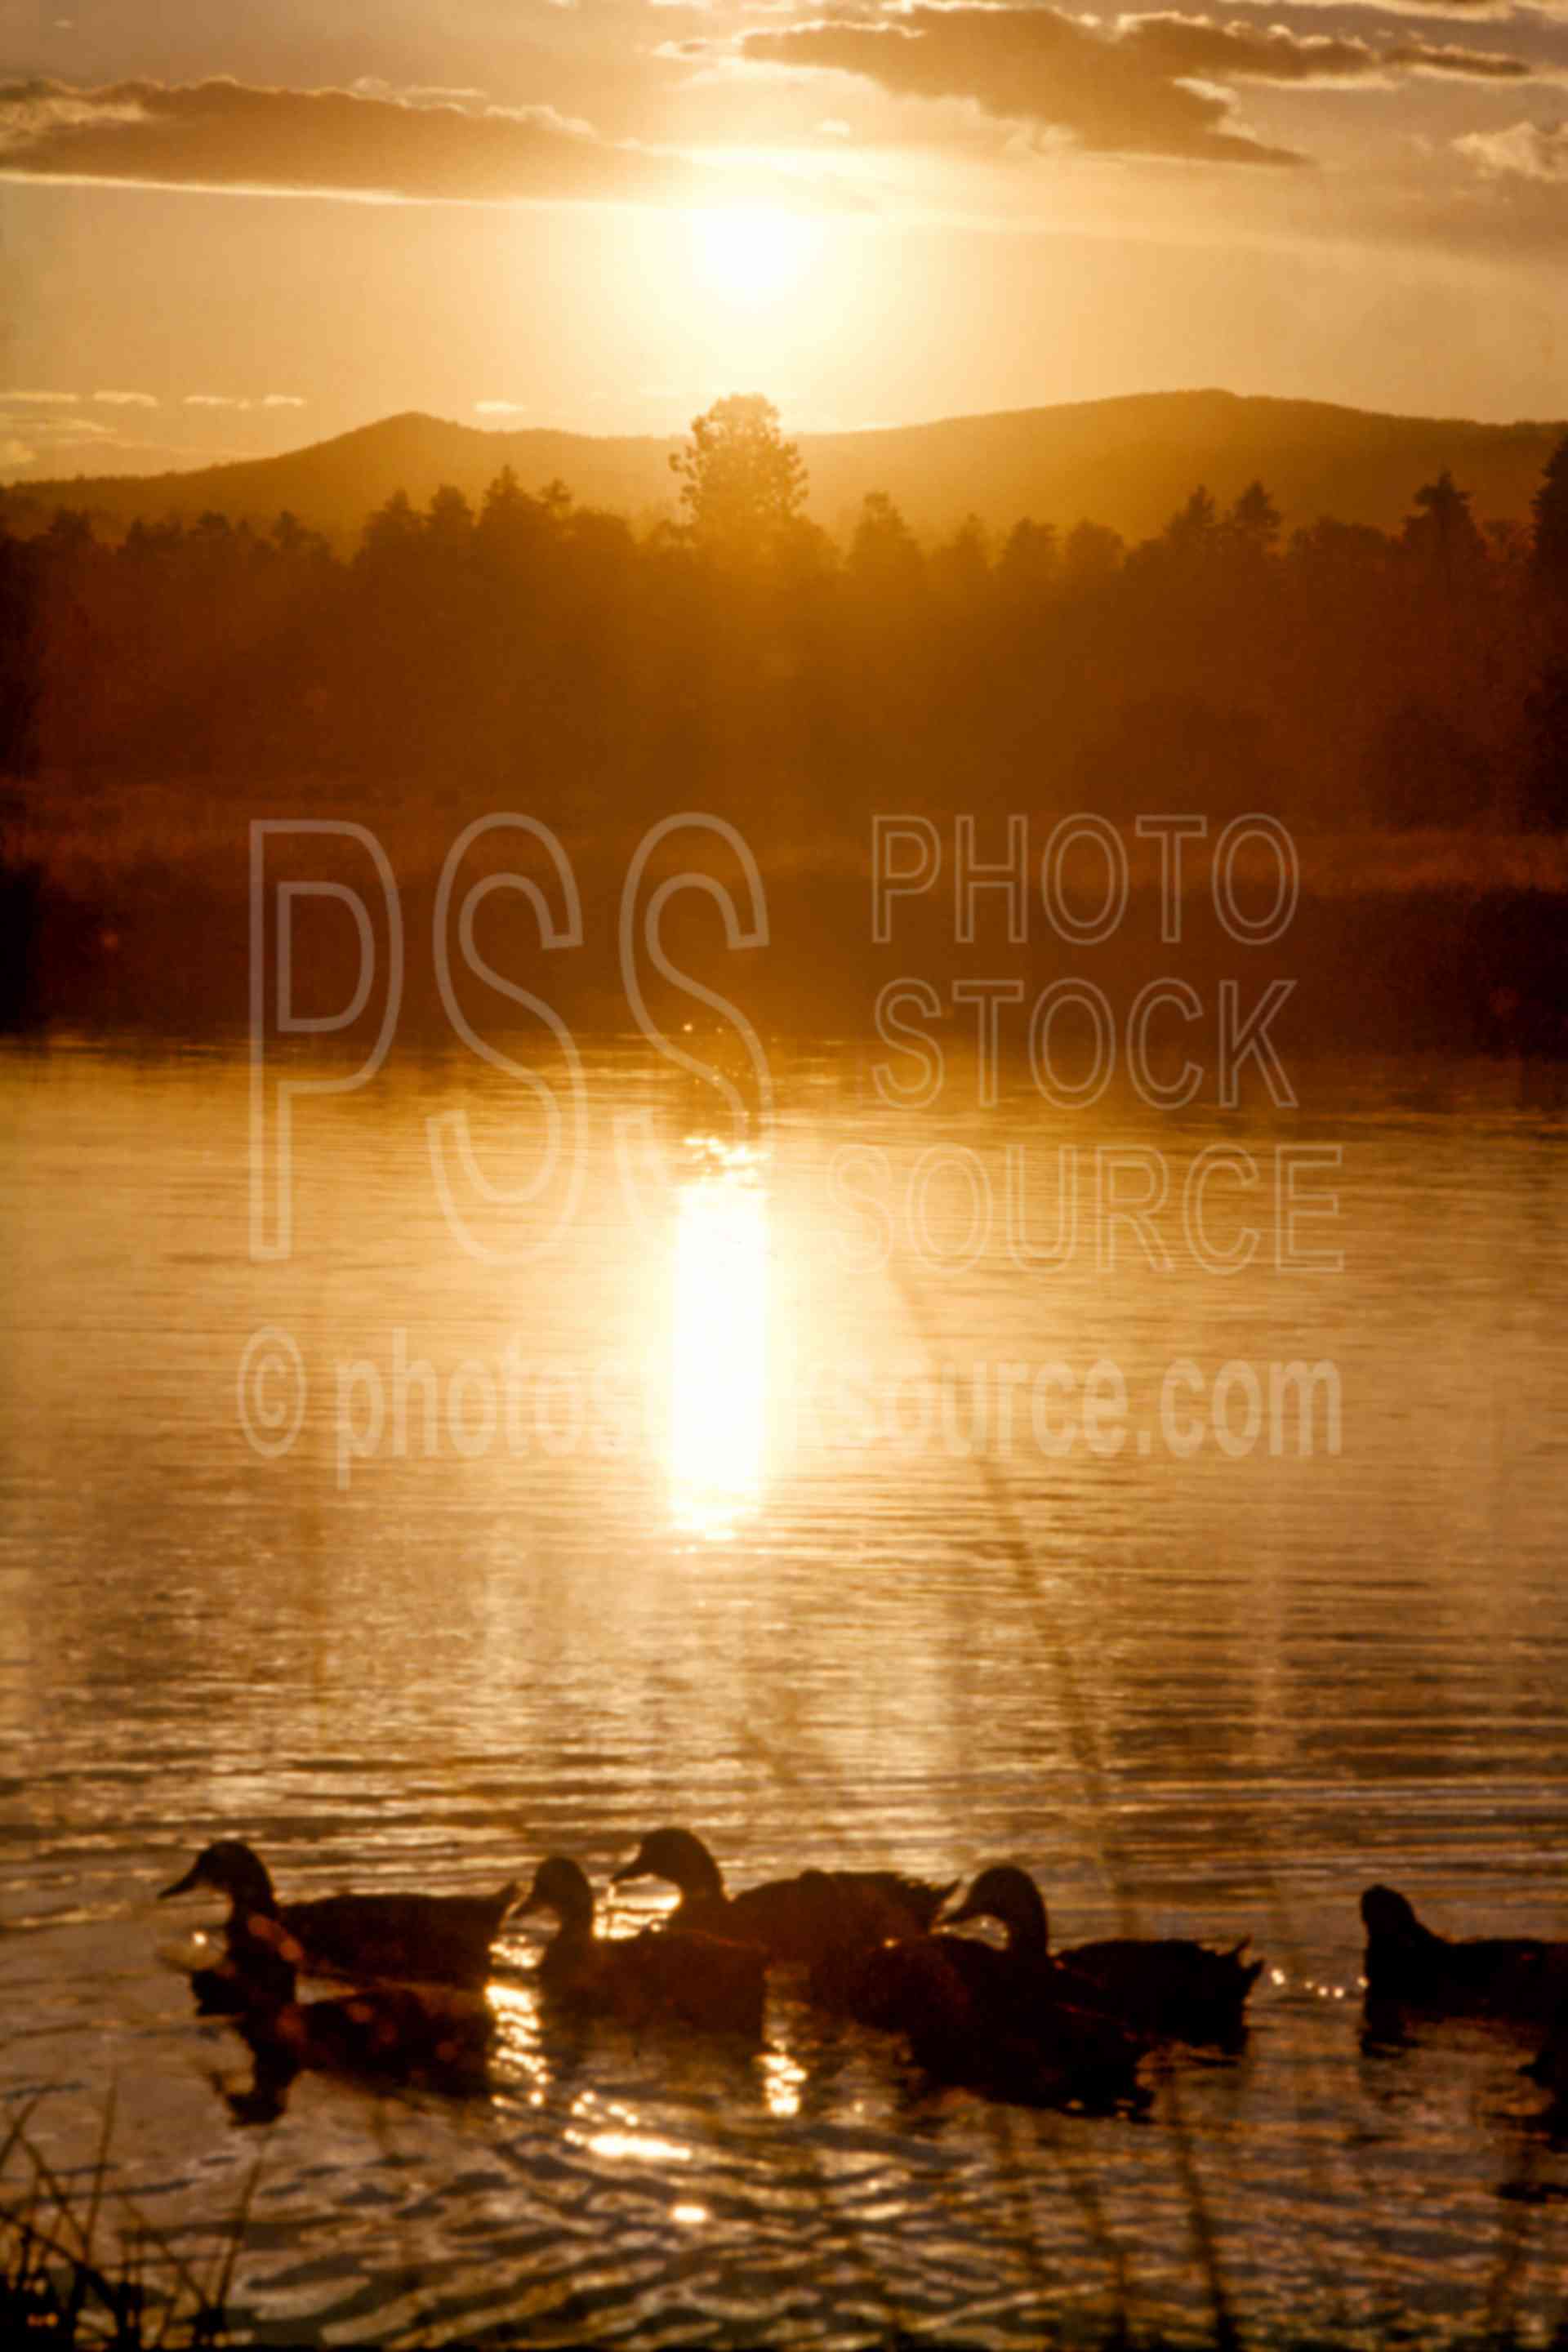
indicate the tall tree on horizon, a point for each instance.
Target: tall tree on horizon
{"x":741,"y":483}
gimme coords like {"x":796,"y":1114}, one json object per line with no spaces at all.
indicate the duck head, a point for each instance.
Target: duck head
{"x":230,"y":1868}
{"x":681,"y":1858}
{"x":1009,"y":1895}
{"x":559,"y":1885}
{"x":1386,"y":1913}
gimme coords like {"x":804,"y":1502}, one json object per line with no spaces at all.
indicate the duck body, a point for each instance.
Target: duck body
{"x":971,"y":2018}
{"x":897,"y":1985}
{"x":1168,"y":1987}
{"x":797,"y":1922}
{"x":422,"y":1939}
{"x":679,"y":1976}
{"x":1409,"y":1965}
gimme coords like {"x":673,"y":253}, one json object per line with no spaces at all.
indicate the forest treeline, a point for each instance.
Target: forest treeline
{"x":535,"y":653}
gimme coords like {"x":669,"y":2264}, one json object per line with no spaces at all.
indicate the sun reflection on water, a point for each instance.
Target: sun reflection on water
{"x":514,"y":2015}
{"x":782,"y":2078}
{"x":622,"y":2137}
{"x":719,"y":1368}
{"x":645,"y":2147}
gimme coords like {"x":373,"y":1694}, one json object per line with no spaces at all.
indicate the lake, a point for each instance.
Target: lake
{"x":870,"y":1485}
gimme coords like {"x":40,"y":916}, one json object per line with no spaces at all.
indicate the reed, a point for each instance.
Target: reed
{"x":57,"y":2287}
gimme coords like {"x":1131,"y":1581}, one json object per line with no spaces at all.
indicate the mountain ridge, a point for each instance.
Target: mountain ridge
{"x":1127,"y":461}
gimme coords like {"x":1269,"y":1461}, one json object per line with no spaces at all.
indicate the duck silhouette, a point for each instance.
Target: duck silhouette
{"x":424,"y":1939}
{"x":672,"y":1975}
{"x":1406,"y":1964}
{"x":795,"y":1921}
{"x":1168,"y":1987}
{"x":972,"y":2017}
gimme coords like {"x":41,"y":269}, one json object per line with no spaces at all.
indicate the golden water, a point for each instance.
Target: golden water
{"x":687,"y":1516}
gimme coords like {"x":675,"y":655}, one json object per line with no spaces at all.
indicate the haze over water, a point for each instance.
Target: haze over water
{"x":683,"y":1520}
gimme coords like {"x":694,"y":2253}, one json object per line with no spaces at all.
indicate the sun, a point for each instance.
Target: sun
{"x":751,"y":255}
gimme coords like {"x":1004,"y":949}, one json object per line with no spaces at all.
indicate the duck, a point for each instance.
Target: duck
{"x":1409,"y":1965}
{"x":431,"y":2036}
{"x":1167,"y":1986}
{"x":972,"y":2018}
{"x":423,"y":1938}
{"x":796,"y":1921}
{"x":679,"y":1975}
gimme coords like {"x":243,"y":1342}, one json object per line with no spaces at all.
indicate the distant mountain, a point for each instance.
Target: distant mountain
{"x":1129,"y":463}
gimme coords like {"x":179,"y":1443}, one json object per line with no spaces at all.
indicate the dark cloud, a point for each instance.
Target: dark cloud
{"x":1539,"y":12}
{"x":1122,"y":88}
{"x":229,"y":135}
{"x":1178,"y":46}
{"x":1031,"y":65}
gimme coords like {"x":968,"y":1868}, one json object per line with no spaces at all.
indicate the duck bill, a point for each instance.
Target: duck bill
{"x":953,"y":1915}
{"x":185,"y":1886}
{"x":635,"y":1868}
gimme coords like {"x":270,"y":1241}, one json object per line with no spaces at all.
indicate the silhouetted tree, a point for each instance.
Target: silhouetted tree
{"x":1549,"y":555}
{"x":511,"y":529}
{"x":1191,"y":528}
{"x":741,"y":483}
{"x":960,"y":565}
{"x":1443,"y":534}
{"x":1253,"y":522}
{"x":449,"y":525}
{"x":1093,"y":552}
{"x":1030,"y":563}
{"x":884,"y":557}
{"x":391,"y":535}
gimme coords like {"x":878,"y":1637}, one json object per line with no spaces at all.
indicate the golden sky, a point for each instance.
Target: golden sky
{"x":232,"y":230}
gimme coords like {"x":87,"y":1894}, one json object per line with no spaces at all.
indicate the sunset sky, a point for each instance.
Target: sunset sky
{"x":232,"y":230}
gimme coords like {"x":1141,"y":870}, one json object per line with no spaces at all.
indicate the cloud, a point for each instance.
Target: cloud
{"x":1526,"y":151}
{"x":500,"y":407}
{"x":1538,"y":12}
{"x":54,"y":434}
{"x":126,"y":399}
{"x":227,"y":136}
{"x":61,"y":399}
{"x":416,"y":93}
{"x":1182,"y":47}
{"x":1034,"y":65}
{"x":240,"y":400}
{"x":1137,"y":85}
{"x":72,"y":442}
{"x":60,"y":428}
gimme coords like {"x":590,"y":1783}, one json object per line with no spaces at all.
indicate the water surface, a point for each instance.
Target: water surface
{"x":687,"y":1514}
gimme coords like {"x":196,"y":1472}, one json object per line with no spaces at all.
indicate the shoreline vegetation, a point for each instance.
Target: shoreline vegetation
{"x":129,"y":908}
{"x":1395,"y":704}
{"x":59,"y":2284}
